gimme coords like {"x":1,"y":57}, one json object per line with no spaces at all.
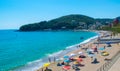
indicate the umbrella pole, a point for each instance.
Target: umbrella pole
{"x":42,"y":69}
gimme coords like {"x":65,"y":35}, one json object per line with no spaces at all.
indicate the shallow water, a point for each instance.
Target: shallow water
{"x":23,"y":48}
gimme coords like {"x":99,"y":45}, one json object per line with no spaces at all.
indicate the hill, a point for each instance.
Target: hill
{"x":67,"y":22}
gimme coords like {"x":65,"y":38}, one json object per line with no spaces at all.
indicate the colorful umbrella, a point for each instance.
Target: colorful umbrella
{"x":46,"y":65}
{"x":102,"y":48}
{"x":66,"y":67}
{"x":79,"y":59}
{"x":75,"y":62}
{"x":67,"y":61}
{"x":66,"y":57}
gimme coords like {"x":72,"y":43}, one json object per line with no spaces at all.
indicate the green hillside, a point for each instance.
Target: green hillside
{"x":64,"y":23}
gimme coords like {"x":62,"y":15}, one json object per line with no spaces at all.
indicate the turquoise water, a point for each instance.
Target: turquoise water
{"x":20,"y":48}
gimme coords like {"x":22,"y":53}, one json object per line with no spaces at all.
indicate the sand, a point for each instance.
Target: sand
{"x":87,"y":61}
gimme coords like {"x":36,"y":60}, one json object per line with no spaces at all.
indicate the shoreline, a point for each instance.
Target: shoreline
{"x":53,"y":65}
{"x":34,"y":64}
{"x":87,"y":41}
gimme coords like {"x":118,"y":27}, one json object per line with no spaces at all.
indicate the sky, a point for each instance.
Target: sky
{"x":15,"y":13}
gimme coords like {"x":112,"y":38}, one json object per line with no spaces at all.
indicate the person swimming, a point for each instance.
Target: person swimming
{"x":81,"y":37}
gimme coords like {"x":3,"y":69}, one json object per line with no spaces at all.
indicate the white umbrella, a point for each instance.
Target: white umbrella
{"x":72,"y":54}
{"x":60,"y":59}
{"x":81,"y":53}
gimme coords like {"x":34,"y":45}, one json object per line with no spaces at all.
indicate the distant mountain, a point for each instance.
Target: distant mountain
{"x":65,"y":23}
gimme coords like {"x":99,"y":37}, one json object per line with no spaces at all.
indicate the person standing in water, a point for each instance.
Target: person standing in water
{"x":49,"y":59}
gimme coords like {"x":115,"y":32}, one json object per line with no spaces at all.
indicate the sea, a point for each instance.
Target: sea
{"x":28,"y":51}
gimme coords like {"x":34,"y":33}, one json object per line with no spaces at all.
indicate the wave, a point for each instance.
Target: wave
{"x":92,"y":38}
{"x":34,"y":65}
{"x":84,"y":42}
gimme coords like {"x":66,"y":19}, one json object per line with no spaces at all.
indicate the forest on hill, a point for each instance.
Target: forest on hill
{"x":68,"y":22}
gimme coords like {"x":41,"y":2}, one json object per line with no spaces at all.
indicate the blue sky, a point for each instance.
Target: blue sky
{"x":14,"y":13}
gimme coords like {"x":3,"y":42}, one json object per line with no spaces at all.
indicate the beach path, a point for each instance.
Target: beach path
{"x":116,"y":66}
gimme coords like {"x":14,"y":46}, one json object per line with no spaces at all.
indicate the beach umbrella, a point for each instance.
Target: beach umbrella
{"x":60,"y":59}
{"x":81,"y":53}
{"x":102,"y":48}
{"x":91,"y":55}
{"x":72,"y":54}
{"x":66,"y":57}
{"x":66,"y":67}
{"x":46,"y":65}
{"x":67,"y":61}
{"x":91,"y":50}
{"x":104,"y":53}
{"x":75,"y":62}
{"x":79,"y":59}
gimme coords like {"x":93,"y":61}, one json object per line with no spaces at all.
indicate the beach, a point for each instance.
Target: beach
{"x":88,"y":66}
